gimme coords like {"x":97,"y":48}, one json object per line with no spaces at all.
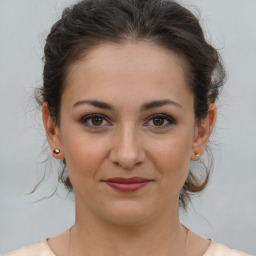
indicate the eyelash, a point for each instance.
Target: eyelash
{"x":170,"y":121}
{"x":85,"y":120}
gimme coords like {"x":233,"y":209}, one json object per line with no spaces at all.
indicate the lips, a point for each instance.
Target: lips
{"x":127,"y":184}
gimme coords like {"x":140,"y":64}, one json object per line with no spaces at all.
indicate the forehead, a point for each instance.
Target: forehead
{"x":130,"y":69}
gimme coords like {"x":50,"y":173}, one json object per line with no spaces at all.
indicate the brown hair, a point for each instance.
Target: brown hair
{"x":163,"y":22}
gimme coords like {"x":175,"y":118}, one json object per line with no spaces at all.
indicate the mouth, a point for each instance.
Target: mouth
{"x":127,"y":185}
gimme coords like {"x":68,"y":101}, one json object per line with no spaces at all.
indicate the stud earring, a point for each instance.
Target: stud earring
{"x":197,"y":156}
{"x":56,"y":151}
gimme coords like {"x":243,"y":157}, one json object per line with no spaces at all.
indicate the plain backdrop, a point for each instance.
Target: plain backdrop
{"x":225,"y":212}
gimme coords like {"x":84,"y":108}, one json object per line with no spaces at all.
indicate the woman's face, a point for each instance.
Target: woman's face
{"x":127,"y":113}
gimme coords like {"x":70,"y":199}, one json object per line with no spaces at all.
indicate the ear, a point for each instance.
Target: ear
{"x":52,"y":132}
{"x":202,"y":133}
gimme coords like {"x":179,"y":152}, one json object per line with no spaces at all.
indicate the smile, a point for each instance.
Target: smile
{"x":127,"y":185}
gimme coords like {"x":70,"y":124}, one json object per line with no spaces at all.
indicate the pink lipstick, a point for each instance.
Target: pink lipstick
{"x":127,"y":184}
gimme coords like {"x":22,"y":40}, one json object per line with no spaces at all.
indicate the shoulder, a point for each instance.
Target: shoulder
{"x":216,"y":249}
{"x":39,"y":249}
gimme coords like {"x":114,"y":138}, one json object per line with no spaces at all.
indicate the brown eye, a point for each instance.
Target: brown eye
{"x":158,"y":121}
{"x":97,"y":121}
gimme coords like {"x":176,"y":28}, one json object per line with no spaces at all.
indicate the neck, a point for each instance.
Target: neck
{"x":163,"y":235}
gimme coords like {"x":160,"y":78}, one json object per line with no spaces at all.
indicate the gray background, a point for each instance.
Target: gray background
{"x":226,"y":211}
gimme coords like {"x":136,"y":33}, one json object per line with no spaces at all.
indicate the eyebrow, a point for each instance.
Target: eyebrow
{"x":95,"y":103}
{"x":145,"y":106}
{"x":159,"y":103}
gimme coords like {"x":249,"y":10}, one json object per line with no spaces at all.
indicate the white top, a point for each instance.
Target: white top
{"x":42,"y":249}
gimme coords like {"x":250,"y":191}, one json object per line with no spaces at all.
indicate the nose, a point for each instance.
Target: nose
{"x":127,"y":150}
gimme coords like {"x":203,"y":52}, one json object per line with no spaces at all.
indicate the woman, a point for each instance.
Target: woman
{"x":128,"y":102}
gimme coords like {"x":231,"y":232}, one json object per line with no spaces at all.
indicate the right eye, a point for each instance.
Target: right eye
{"x":94,"y":121}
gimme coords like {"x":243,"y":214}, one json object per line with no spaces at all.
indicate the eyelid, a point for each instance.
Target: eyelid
{"x":85,"y":118}
{"x":171,"y":120}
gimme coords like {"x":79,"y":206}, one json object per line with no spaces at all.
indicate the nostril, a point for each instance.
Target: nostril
{"x":127,"y":151}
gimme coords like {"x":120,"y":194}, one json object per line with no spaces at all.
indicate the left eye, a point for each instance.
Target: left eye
{"x":161,"y":121}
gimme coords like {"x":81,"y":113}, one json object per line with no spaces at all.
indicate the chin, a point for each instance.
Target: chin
{"x":128,"y":213}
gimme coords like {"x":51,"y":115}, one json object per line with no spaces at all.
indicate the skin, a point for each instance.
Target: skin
{"x":126,"y":142}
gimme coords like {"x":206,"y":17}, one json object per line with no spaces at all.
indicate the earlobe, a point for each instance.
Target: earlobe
{"x":203,"y":132}
{"x":52,"y":132}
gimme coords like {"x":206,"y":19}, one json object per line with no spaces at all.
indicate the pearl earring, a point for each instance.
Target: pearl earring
{"x":56,"y":151}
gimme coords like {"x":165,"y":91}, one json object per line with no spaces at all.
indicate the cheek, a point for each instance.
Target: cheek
{"x":172,"y":158}
{"x":84,"y":156}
